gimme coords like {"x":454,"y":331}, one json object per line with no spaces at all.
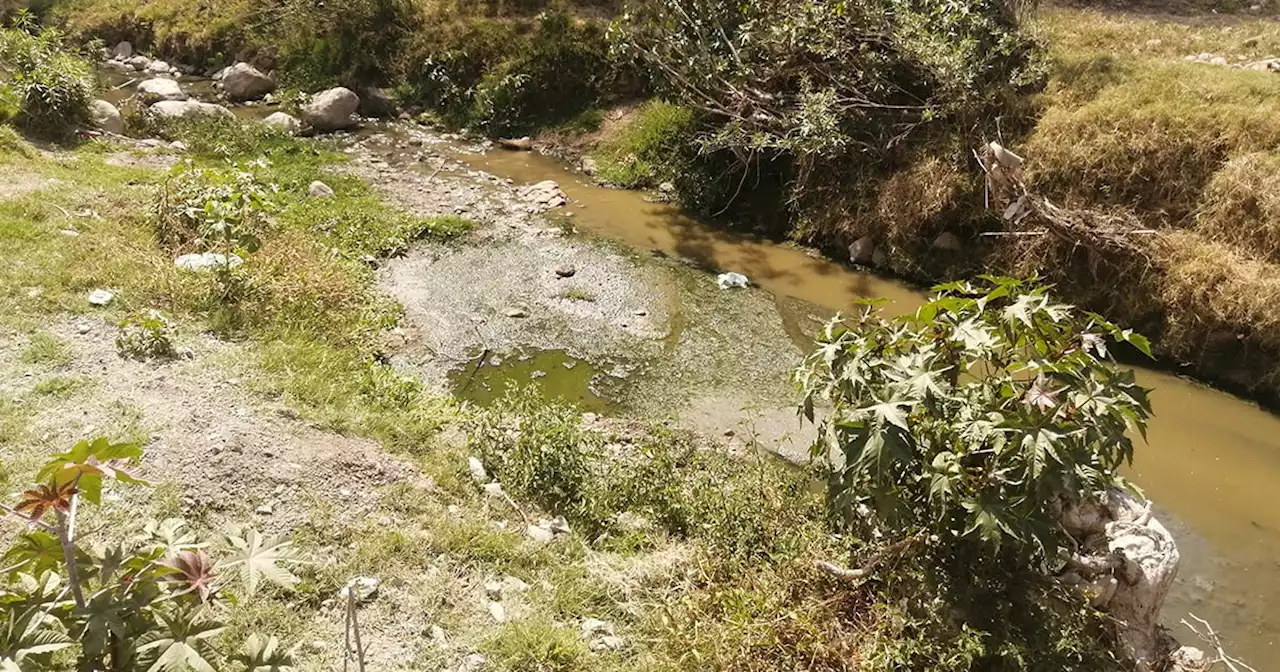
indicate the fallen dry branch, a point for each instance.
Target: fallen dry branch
{"x":891,"y":551}
{"x":1031,"y":214}
{"x":1208,"y":636}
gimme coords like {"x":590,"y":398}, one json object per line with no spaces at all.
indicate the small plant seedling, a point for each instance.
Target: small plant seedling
{"x":145,"y":334}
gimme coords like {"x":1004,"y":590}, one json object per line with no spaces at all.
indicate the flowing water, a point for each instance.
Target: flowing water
{"x":1212,"y":464}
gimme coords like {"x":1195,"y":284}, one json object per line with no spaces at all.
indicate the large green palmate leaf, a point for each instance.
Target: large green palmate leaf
{"x":88,"y":462}
{"x":185,"y":642}
{"x":264,"y":654}
{"x":256,"y":557}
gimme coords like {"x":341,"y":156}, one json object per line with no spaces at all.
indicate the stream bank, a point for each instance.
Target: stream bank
{"x":719,"y":361}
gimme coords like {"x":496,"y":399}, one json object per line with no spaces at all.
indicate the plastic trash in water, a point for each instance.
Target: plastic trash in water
{"x":731,"y":280}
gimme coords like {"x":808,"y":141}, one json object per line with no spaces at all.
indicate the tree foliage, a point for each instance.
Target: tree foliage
{"x":973,"y":417}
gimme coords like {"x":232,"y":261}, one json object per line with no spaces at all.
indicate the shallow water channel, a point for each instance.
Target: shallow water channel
{"x":1212,"y":464}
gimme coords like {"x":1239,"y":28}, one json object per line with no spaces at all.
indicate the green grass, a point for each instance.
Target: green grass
{"x":46,"y":349}
{"x":576,"y":294}
{"x":61,"y":386}
{"x":536,"y":646}
{"x":646,"y":150}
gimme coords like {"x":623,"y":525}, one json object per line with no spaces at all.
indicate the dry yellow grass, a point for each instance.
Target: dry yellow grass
{"x":1241,"y":205}
{"x":1221,"y":304}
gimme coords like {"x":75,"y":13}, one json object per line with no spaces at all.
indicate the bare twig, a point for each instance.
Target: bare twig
{"x":353,"y":631}
{"x":890,"y":551}
{"x":1212,"y":639}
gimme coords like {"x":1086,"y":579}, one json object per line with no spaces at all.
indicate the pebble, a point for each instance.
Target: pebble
{"x":540,"y":535}
{"x":516,"y":312}
{"x":264,"y":510}
{"x":497,"y":612}
{"x":566,"y":271}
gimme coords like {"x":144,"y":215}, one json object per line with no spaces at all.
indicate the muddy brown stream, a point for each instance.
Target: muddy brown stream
{"x":1212,"y":464}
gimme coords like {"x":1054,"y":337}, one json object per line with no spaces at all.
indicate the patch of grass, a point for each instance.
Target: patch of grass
{"x":577,"y":294}
{"x":1154,"y":141}
{"x":646,"y":151}
{"x":46,"y":349}
{"x":61,"y":386}
{"x":1241,"y":206}
{"x":537,"y":645}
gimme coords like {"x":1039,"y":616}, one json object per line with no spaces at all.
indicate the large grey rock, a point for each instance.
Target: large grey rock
{"x":159,"y":67}
{"x":160,"y":88}
{"x":175,"y":109}
{"x":283,"y":121}
{"x":331,"y":110}
{"x":123,"y":51}
{"x":105,"y":116}
{"x":862,"y":250}
{"x":138,"y":62}
{"x":948,"y":241}
{"x":545,"y":194}
{"x":318,"y":189}
{"x":245,"y":82}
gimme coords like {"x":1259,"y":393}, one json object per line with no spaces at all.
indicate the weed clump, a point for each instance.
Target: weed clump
{"x":145,"y":334}
{"x":51,"y":85}
{"x":1240,"y":206}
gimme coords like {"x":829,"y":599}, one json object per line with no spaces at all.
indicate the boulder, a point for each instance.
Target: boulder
{"x":159,"y":88}
{"x":374,"y":102}
{"x":319,"y":189}
{"x":105,"y":116}
{"x":590,"y":166}
{"x":139,"y":62}
{"x":331,"y":110}
{"x":880,"y":258}
{"x":283,"y":121}
{"x":862,"y":250}
{"x":123,"y":51}
{"x":245,"y":82}
{"x":172,"y":109}
{"x":159,"y":67}
{"x":545,"y":194}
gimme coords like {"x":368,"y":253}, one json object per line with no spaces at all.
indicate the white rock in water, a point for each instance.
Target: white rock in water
{"x":159,"y":67}
{"x":105,"y":116}
{"x":245,"y":82}
{"x":366,"y":588}
{"x":100,"y":297}
{"x":590,"y":166}
{"x":319,"y":189}
{"x":160,"y":88}
{"x":189,"y":108}
{"x":283,"y":121}
{"x":331,"y":110}
{"x":732,"y":280}
{"x":476,"y":467}
{"x":123,"y":51}
{"x":206,"y":261}
{"x":139,"y":62}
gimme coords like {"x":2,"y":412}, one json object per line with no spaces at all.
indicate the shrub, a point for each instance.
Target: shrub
{"x":509,"y":76}
{"x":972,"y":418}
{"x":351,"y":43}
{"x":145,"y":334}
{"x":53,"y":85}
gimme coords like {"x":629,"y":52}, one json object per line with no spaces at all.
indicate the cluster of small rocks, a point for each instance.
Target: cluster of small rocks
{"x":124,"y":59}
{"x":1241,"y":63}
